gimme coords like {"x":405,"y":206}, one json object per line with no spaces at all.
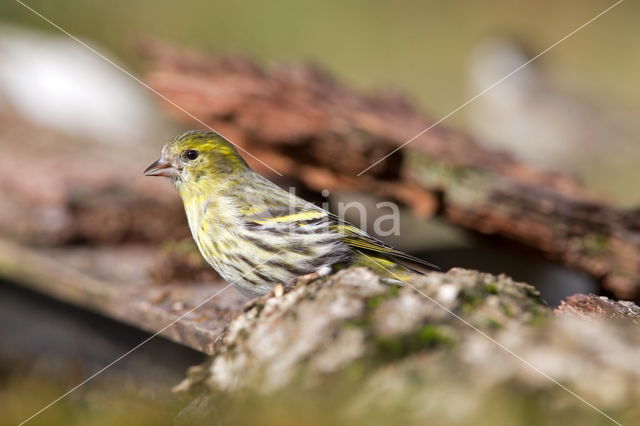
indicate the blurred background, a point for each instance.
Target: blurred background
{"x":573,"y":110}
{"x":581,"y":92}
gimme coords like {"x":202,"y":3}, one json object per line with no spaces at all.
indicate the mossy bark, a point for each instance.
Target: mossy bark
{"x":447,"y":347}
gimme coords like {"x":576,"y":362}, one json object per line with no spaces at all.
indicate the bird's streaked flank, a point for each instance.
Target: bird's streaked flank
{"x":239,"y":219}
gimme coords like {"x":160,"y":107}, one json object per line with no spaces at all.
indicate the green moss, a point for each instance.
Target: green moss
{"x":470,"y":299}
{"x":372,"y":303}
{"x":375,"y":302}
{"x":428,"y":336}
{"x":538,"y":317}
{"x":433,"y":334}
{"x":358,"y":322}
{"x":506,"y":309}
{"x":463,"y":184}
{"x":596,"y":243}
{"x":491,"y":288}
{"x":493,"y":324}
{"x":514,"y":300}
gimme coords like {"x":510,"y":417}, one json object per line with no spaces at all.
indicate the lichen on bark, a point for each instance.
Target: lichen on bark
{"x":447,"y":347}
{"x":324,"y":326}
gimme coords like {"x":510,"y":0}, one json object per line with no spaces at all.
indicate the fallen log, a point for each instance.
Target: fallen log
{"x":448,"y":348}
{"x":116,"y":283}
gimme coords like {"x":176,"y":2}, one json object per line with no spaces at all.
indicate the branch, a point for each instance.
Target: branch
{"x":460,"y":339}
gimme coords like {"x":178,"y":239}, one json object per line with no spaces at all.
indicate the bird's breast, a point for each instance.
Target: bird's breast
{"x":213,"y":224}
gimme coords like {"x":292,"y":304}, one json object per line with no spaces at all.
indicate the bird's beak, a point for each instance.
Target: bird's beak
{"x":161,"y":167}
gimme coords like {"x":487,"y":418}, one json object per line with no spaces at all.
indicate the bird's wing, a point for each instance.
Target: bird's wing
{"x":267,"y":204}
{"x":283,"y":214}
{"x":357,"y":238}
{"x":282,"y":209}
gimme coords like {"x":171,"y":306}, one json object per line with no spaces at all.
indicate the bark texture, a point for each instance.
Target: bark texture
{"x":457,"y":348}
{"x":590,"y":305}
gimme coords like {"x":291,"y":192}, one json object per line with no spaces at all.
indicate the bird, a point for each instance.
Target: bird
{"x":255,"y":234}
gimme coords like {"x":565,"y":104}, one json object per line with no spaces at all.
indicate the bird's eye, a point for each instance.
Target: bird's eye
{"x":191,"y":154}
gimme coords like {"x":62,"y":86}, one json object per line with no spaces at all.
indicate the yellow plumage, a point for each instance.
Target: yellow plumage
{"x":254,"y":233}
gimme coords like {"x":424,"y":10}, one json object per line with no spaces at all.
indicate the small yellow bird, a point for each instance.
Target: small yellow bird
{"x":255,"y":234}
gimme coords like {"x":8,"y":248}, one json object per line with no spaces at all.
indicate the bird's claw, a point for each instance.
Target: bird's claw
{"x":306,"y":279}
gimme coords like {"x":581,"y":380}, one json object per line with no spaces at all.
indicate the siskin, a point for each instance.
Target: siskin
{"x":254,"y":233}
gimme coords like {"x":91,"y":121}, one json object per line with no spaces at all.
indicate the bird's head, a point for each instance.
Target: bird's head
{"x":197,"y":155}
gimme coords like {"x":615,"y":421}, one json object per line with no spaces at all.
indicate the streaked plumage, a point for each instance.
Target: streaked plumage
{"x":251,"y":231}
